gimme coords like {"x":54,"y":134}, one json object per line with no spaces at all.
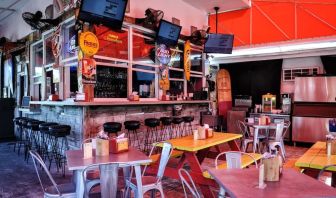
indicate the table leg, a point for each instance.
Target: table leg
{"x":202,"y":154}
{"x":108,"y":180}
{"x":127,"y":177}
{"x":233,"y":145}
{"x":195,"y":167}
{"x":138,"y":176}
{"x":78,"y":180}
{"x":333,"y":179}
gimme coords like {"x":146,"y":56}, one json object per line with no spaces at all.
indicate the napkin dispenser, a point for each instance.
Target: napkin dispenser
{"x":119,"y":144}
{"x":102,"y":147}
{"x":272,"y":167}
{"x":331,"y":144}
{"x":203,"y":132}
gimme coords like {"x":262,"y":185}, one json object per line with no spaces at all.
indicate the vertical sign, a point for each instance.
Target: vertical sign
{"x":187,"y":62}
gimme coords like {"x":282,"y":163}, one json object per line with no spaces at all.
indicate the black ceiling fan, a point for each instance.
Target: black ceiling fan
{"x":198,"y":37}
{"x":37,"y":23}
{"x":152,"y":19}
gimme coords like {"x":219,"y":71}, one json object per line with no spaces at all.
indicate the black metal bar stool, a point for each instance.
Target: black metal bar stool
{"x":18,"y":133}
{"x":187,"y":127}
{"x":177,"y":127}
{"x":26,"y":136}
{"x":35,"y":137}
{"x":45,"y":139}
{"x":112,"y":128}
{"x":151,"y":135}
{"x":166,"y":128}
{"x":132,"y":126}
{"x":60,"y":144}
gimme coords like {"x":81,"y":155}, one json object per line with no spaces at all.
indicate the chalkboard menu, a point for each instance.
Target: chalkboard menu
{"x":111,"y":82}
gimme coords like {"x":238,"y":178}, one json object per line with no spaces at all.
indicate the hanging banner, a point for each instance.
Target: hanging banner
{"x":88,"y":71}
{"x":163,"y":54}
{"x":89,"y":44}
{"x":164,"y":82}
{"x":187,"y":62}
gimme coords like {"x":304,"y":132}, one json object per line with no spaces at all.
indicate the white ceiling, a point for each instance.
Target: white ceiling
{"x":9,"y":7}
{"x":224,"y":5}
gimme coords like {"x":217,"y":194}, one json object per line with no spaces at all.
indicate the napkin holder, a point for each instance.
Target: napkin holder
{"x":201,"y":133}
{"x":265,"y":120}
{"x":272,"y":168}
{"x":87,"y":150}
{"x":331,"y":147}
{"x":102,"y":147}
{"x":118,"y":145}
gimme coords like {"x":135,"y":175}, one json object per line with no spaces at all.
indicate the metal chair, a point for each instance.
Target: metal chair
{"x":325,"y":168}
{"x":246,"y":137}
{"x":233,"y":159}
{"x":56,"y":190}
{"x":152,"y":183}
{"x":279,"y":139}
{"x":192,"y":188}
{"x":90,"y":184}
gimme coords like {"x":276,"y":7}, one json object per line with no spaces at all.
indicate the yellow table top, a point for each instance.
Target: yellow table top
{"x":316,"y":157}
{"x":189,"y":144}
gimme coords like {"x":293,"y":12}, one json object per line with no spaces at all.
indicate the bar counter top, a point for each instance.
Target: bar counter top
{"x":118,"y":103}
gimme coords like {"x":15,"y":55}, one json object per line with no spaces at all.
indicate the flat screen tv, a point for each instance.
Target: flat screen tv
{"x":219,"y":43}
{"x":168,"y":33}
{"x":109,"y":13}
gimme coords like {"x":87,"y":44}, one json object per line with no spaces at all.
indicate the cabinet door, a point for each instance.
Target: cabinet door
{"x":309,"y":129}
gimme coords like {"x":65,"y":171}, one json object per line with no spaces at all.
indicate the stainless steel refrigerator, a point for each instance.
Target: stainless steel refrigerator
{"x":314,"y":110}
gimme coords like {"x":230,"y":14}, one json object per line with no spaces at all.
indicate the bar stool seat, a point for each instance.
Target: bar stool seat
{"x":188,"y":118}
{"x":34,"y":125}
{"x":166,"y":121}
{"x":59,"y":130}
{"x":112,"y":127}
{"x":152,"y":122}
{"x":44,"y":127}
{"x":132,"y":125}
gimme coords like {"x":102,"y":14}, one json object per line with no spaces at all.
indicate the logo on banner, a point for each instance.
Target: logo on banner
{"x":163,"y":54}
{"x":187,"y":62}
{"x":89,"y":44}
{"x":88,"y":71}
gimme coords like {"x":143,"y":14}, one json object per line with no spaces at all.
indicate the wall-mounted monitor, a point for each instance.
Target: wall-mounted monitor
{"x":168,"y":33}
{"x":219,"y":43}
{"x":106,"y":12}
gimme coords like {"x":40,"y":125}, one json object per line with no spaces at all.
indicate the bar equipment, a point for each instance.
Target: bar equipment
{"x":268,"y":102}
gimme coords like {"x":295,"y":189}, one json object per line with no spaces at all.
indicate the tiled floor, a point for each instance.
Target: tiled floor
{"x":18,"y":178}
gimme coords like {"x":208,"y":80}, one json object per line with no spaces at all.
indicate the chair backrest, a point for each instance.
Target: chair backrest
{"x":36,"y":157}
{"x":279,"y":131}
{"x":167,"y":149}
{"x":243,"y":129}
{"x":286,"y":128}
{"x":234,"y":159}
{"x":192,"y":188}
{"x":89,"y":184}
{"x":324,"y":169}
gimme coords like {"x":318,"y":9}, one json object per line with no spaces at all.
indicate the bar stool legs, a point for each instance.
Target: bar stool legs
{"x":132,"y":134}
{"x":151,"y":135}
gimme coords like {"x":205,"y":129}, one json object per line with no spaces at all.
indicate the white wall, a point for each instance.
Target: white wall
{"x":306,"y":62}
{"x":188,"y":15}
{"x":14,"y":26}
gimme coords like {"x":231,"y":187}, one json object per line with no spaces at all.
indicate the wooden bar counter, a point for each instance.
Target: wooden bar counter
{"x":87,"y":118}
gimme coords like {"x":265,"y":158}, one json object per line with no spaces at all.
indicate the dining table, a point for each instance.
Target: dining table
{"x":243,"y":183}
{"x":108,"y":168}
{"x":315,"y":158}
{"x":193,"y":154}
{"x":257,"y":128}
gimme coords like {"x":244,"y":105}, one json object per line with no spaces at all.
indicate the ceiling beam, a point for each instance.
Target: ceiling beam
{"x":8,"y":9}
